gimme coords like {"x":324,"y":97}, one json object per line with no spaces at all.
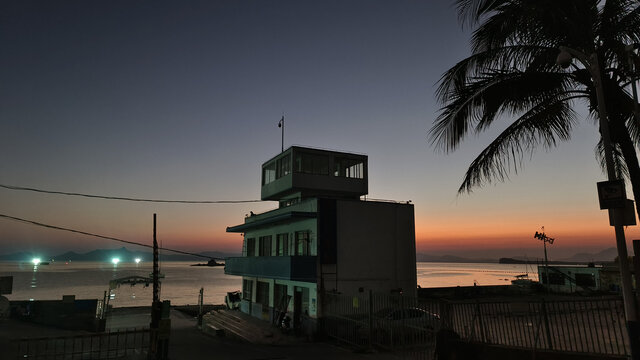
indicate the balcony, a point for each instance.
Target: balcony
{"x":296,"y":268}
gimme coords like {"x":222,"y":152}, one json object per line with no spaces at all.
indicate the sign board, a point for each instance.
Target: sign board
{"x":6,"y":284}
{"x":626,"y":216}
{"x":612,"y":194}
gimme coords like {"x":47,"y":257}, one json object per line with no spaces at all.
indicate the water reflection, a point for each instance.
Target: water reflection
{"x":34,"y":280}
{"x":114,"y":272}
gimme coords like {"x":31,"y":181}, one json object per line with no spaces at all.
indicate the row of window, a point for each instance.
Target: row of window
{"x":584,"y":280}
{"x":282,"y":246}
{"x":315,"y":164}
{"x":276,"y":169}
{"x":281,"y":297}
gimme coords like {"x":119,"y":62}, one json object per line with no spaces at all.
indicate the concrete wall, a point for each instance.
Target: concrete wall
{"x":375,"y":248}
{"x":68,"y":314}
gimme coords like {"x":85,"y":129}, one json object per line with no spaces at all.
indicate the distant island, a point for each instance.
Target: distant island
{"x":211,"y":262}
{"x":606,"y":255}
{"x":124,"y":254}
{"x":537,"y":261}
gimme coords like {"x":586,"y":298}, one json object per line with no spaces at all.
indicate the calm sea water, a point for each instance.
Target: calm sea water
{"x":465,"y":274}
{"x":182,"y":282}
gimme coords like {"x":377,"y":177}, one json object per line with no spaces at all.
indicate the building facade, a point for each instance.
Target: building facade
{"x":570,"y":279}
{"x":322,"y":238}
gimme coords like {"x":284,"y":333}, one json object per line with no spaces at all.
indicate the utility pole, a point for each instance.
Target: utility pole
{"x":159,"y":327}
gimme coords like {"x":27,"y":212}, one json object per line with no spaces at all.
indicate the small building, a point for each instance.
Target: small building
{"x":570,"y":279}
{"x":324,"y":237}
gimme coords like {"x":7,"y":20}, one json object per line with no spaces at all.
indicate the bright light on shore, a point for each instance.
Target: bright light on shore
{"x":115,"y":261}
{"x":137,"y":260}
{"x":36,"y":261}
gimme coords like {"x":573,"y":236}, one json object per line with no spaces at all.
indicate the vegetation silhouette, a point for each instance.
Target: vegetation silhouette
{"x":512,"y":72}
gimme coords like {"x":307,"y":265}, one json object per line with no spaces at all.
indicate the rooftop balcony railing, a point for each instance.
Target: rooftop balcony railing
{"x":296,"y":268}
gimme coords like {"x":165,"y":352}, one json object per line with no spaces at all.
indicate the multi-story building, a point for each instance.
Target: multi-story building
{"x":323,"y":237}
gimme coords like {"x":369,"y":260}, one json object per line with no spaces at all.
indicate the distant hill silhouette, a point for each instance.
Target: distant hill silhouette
{"x":123,"y":253}
{"x":605,"y":255}
{"x":451,"y":259}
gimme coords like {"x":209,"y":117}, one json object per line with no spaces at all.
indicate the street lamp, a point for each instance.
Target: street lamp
{"x":591,"y":63}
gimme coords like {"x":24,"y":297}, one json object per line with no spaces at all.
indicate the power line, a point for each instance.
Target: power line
{"x":98,"y":236}
{"x":11,"y":187}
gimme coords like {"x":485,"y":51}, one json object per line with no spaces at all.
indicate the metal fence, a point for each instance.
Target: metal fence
{"x":391,"y":322}
{"x":595,"y":326}
{"x":129,"y":344}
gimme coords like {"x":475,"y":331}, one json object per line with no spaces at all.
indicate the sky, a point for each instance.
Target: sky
{"x":181,"y":100}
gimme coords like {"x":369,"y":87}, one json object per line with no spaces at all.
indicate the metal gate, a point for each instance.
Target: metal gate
{"x":394,"y":323}
{"x":132,"y":344}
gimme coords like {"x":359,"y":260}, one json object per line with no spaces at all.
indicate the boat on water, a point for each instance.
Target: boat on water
{"x":523,"y":280}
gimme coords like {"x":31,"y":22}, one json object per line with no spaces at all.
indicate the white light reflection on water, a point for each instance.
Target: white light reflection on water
{"x":34,"y":280}
{"x":89,"y":280}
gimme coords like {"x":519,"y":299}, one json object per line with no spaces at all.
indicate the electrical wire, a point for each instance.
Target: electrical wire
{"x":21,"y":188}
{"x":98,"y":236}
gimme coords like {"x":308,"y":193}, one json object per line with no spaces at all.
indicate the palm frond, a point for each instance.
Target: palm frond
{"x":619,"y":165}
{"x":477,"y":104}
{"x":512,"y":72}
{"x":544,"y":125}
{"x":517,"y":57}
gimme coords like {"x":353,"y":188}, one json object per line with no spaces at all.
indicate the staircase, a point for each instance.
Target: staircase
{"x":241,"y":326}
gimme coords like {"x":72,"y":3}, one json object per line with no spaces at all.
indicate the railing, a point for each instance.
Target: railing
{"x":132,"y":344}
{"x":584,"y":326}
{"x":390,"y":322}
{"x":298,"y":268}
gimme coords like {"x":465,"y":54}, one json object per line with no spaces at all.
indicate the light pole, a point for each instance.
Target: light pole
{"x":592,"y":64}
{"x":281,"y":125}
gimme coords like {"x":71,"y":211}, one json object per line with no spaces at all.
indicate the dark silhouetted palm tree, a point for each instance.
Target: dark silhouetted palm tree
{"x":512,"y":73}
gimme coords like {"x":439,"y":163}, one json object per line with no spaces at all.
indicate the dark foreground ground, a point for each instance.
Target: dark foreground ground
{"x":187,"y":342}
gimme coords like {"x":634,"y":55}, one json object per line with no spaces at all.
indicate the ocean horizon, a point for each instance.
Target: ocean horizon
{"x":182,"y":282}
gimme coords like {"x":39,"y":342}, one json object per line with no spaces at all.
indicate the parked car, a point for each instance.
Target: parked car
{"x":393,"y":326}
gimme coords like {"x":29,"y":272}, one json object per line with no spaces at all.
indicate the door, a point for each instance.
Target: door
{"x":297,"y":307}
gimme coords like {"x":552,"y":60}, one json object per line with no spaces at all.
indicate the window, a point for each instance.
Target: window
{"x":349,"y":168}
{"x":302,"y":243}
{"x":554,"y":279}
{"x":262,"y":293}
{"x":282,"y":245}
{"x":264,"y":246}
{"x":269,"y":173}
{"x":312,"y":164}
{"x":289,"y":202}
{"x":586,"y":280}
{"x":284,"y":166}
{"x":251,"y":247}
{"x":247,"y":287}
{"x":276,"y":169}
